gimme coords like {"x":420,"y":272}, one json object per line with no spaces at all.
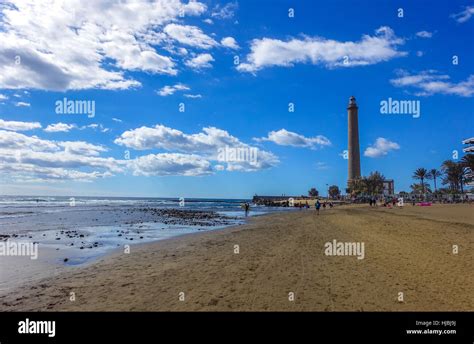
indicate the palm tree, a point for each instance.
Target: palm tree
{"x":419,"y":189}
{"x":421,"y":174}
{"x":374,"y":183}
{"x":334,"y":191}
{"x":455,"y":175}
{"x":357,"y":186}
{"x":433,"y":174}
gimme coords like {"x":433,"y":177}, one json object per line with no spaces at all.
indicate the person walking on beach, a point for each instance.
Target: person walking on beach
{"x":317,"y":205}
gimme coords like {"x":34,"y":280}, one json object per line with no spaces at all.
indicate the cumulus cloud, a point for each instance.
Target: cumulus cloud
{"x":81,"y":147}
{"x":207,"y":144}
{"x":166,"y":164}
{"x":430,"y":82}
{"x":268,"y":52}
{"x":200,"y":61}
{"x":59,"y":127}
{"x":284,"y":137}
{"x":229,"y":42}
{"x":72,"y":45}
{"x":190,"y":35}
{"x":170,"y":90}
{"x":30,"y":158}
{"x":381,"y":147}
{"x":19,"y":126}
{"x":3,"y":97}
{"x":27,"y":157}
{"x":464,"y":15}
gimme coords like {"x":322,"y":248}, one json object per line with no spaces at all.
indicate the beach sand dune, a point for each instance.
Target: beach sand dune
{"x":407,"y":251}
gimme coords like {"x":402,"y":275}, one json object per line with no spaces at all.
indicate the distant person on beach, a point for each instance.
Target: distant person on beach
{"x":246,"y":208}
{"x":330,"y":205}
{"x":317,"y":205}
{"x":324,"y":205}
{"x":307,"y":205}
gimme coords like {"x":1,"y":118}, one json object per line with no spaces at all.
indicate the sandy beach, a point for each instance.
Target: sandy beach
{"x":280,"y":265}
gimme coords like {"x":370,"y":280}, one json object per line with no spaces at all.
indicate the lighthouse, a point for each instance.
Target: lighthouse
{"x":353,"y":140}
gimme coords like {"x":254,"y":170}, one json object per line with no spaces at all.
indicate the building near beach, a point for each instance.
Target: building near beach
{"x":388,"y":187}
{"x":470,"y":147}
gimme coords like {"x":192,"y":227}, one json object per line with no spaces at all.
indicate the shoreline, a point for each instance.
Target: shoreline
{"x":407,"y":250}
{"x":78,"y":236}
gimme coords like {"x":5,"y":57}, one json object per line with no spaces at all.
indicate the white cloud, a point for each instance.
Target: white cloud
{"x":190,"y":35}
{"x":82,"y":148}
{"x":30,"y":172}
{"x":117,"y":120}
{"x":284,"y":137}
{"x":193,"y":96}
{"x":208,"y":21}
{"x":71,"y":45}
{"x":225,"y":12}
{"x":424,"y":34}
{"x":170,"y":164}
{"x":16,"y":141}
{"x":19,"y":126}
{"x":464,"y":15}
{"x":170,"y":90}
{"x":22,"y":104}
{"x":206,"y":144}
{"x":94,"y":126}
{"x":32,"y":158}
{"x":381,"y":147}
{"x":267,"y":52}
{"x":430,"y":82}
{"x":59,"y":127}
{"x":3,"y":97}
{"x":229,"y":42}
{"x":200,"y":61}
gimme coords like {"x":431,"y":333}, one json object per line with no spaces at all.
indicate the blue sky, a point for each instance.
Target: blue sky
{"x":139,"y":61}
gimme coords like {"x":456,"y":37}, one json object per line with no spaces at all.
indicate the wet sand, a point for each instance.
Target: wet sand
{"x":407,"y":251}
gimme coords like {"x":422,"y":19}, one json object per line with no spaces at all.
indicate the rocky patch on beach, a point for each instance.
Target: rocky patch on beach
{"x":183,"y":217}
{"x":131,"y":224}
